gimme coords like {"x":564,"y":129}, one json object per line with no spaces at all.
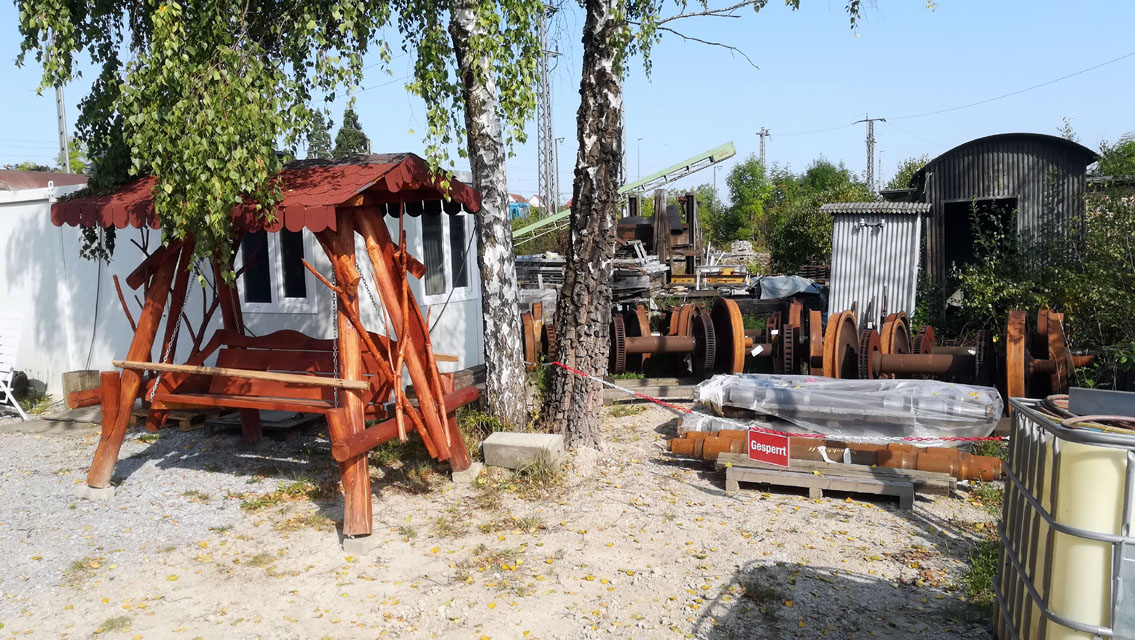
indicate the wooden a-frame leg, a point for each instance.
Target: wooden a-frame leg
{"x":155,"y":418}
{"x":357,"y":520}
{"x":131,"y":379}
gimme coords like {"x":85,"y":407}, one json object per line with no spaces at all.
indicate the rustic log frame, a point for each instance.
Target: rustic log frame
{"x":164,"y":275}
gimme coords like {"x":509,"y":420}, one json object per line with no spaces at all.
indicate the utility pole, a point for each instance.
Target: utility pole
{"x":870,"y":148}
{"x":763,"y":133}
{"x":546,"y":147}
{"x":61,"y":122}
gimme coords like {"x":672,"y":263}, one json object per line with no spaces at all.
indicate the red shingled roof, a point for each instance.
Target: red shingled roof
{"x":312,"y":190}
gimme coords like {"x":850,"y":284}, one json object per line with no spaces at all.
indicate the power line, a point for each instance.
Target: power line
{"x":915,"y":135}
{"x":1017,"y":92}
{"x":808,"y":133}
{"x":386,"y":84}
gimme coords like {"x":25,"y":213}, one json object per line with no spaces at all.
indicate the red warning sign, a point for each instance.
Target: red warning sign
{"x":769,"y":448}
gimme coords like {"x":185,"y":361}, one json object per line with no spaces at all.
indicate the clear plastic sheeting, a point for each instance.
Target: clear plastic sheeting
{"x":850,"y":408}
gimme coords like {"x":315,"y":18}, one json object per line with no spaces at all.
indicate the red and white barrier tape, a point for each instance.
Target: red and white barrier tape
{"x":746,"y":427}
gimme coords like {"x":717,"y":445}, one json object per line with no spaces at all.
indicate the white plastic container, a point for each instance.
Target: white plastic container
{"x":1067,"y":566}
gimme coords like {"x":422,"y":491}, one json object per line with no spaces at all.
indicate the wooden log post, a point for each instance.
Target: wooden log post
{"x":460,"y":459}
{"x":130,"y":381}
{"x":251,"y":430}
{"x":355,"y":472}
{"x":110,"y":390}
{"x":155,"y":418}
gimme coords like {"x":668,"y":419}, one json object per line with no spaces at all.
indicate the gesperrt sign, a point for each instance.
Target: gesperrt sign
{"x":769,"y":448}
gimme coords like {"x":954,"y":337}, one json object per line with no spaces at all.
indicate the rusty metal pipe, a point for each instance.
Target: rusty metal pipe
{"x":927,"y":364}
{"x":660,"y":344}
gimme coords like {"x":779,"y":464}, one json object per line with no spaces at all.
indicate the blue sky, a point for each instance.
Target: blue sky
{"x":814,"y":74}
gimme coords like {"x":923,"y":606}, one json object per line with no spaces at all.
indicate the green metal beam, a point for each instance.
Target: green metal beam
{"x":652,"y":181}
{"x":682,"y":169}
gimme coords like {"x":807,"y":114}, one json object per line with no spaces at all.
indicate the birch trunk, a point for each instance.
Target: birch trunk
{"x":583,"y":311}
{"x":504,"y":363}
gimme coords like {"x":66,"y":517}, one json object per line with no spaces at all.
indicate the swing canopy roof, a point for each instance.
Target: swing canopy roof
{"x":313,"y":190}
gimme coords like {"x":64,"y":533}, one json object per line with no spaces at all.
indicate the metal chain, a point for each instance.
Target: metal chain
{"x":166,"y":355}
{"x":335,"y":338}
{"x":370,"y":292}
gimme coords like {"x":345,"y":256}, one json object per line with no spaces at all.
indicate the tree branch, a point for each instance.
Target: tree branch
{"x":723,"y":12}
{"x":711,"y":43}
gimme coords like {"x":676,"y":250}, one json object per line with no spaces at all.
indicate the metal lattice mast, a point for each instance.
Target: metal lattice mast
{"x":546,"y":151}
{"x":870,"y":149}
{"x":763,"y":133}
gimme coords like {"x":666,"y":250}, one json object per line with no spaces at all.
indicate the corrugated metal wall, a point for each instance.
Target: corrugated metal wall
{"x":874,"y":256}
{"x":1045,"y":173}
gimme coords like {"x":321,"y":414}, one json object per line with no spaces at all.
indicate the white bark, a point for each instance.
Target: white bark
{"x":504,"y":385}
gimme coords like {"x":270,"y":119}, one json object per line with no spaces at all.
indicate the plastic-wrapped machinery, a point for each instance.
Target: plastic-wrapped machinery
{"x":877,"y":408}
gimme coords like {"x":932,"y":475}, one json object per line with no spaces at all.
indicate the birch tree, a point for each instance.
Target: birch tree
{"x":199,"y":94}
{"x":476,"y":70}
{"x":613,"y":30}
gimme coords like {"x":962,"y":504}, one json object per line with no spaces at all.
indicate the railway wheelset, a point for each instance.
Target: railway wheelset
{"x":1035,"y":361}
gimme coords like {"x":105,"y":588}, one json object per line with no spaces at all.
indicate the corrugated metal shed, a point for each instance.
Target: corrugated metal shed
{"x":1042,"y":177}
{"x":875,"y":256}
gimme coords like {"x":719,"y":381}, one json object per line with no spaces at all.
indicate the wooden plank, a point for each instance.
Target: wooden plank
{"x":298,"y":361}
{"x":904,"y":491}
{"x":152,"y":264}
{"x":252,"y":374}
{"x":268,"y":389}
{"x":445,"y":357}
{"x":742,"y":460}
{"x":189,"y":400}
{"x":924,"y":481}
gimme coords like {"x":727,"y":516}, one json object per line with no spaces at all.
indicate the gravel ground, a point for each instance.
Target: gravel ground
{"x":632,"y":543}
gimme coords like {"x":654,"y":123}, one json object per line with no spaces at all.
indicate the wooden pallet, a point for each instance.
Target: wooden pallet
{"x":279,"y":425}
{"x":817,"y":483}
{"x":925,"y":482}
{"x":183,"y":419}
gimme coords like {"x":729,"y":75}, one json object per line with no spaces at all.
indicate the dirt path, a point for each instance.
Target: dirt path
{"x":634,"y":544}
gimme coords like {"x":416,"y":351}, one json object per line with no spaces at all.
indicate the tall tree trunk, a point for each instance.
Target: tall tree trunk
{"x":504,"y":364}
{"x":583,"y":311}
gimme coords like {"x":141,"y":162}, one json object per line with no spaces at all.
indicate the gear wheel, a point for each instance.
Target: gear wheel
{"x":618,"y":357}
{"x":549,"y":340}
{"x":788,"y":350}
{"x":868,"y":346}
{"x":705,"y":342}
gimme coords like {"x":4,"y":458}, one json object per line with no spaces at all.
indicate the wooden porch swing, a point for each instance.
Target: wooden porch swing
{"x":348,"y":379}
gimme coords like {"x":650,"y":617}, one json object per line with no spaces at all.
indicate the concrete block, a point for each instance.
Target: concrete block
{"x":469,"y":475}
{"x":96,"y":494}
{"x":359,"y":545}
{"x":516,"y":450}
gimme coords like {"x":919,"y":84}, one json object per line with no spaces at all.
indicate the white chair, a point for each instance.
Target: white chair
{"x":11,"y":325}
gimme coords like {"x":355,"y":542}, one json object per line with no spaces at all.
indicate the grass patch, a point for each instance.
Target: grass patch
{"x":117,"y":623}
{"x":537,"y":480}
{"x":627,"y":375}
{"x":294,"y":491}
{"x":978,"y":579}
{"x":989,"y":495}
{"x":197,"y":496}
{"x":624,"y":410}
{"x":476,"y":425}
{"x":449,"y":526}
{"x":149,"y":438}
{"x":993,"y":448}
{"x":222,"y":528}
{"x":310,"y":520}
{"x":408,"y":532}
{"x":79,"y":570}
{"x":261,"y":559}
{"x":529,"y":524}
{"x":36,"y":403}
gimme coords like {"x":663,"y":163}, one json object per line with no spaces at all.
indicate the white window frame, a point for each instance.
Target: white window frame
{"x":280,"y":304}
{"x":468,"y":292}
